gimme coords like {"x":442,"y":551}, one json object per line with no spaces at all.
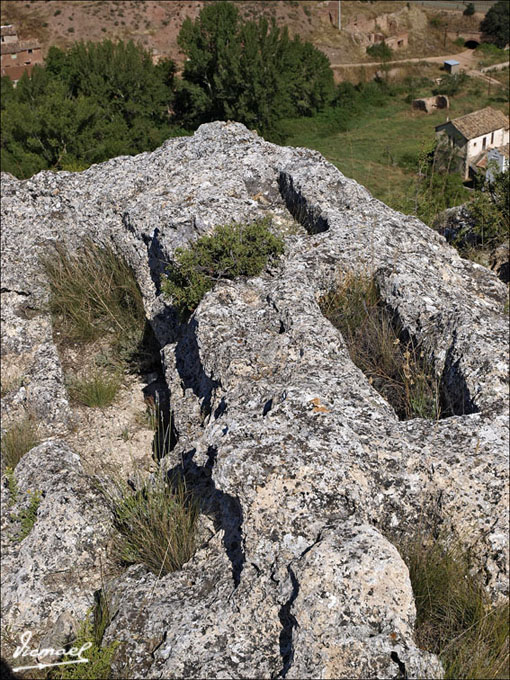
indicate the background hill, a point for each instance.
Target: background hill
{"x":156,"y":23}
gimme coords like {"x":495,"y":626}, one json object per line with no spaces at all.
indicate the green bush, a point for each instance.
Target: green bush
{"x":450,"y":84}
{"x":99,"y":656}
{"x":232,"y":250}
{"x":455,"y":617}
{"x":470,"y":10}
{"x":381,"y":51}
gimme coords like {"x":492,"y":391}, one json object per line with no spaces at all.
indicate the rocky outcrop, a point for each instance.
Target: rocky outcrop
{"x":307,"y":474}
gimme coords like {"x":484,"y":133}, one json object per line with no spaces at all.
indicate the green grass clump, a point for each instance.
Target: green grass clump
{"x":455,"y":617}
{"x":232,"y":250}
{"x":98,"y":390}
{"x":396,"y":369}
{"x":18,"y":440}
{"x":99,"y":656}
{"x":156,"y":524}
{"x":93,"y":294}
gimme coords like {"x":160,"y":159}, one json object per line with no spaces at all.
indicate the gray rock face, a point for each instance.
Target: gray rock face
{"x":49,"y":578}
{"x":303,"y":467}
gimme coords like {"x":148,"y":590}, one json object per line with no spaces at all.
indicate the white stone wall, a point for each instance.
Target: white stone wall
{"x":475,"y":146}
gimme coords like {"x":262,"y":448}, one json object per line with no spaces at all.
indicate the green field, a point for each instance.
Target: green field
{"x":372,"y":150}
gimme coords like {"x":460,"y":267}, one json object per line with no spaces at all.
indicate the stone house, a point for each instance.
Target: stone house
{"x":17,"y":56}
{"x":470,"y":137}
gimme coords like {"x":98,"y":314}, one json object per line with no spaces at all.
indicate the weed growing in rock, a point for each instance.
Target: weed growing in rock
{"x":12,"y":485}
{"x":28,"y":515}
{"x":396,"y":369}
{"x":93,"y":294}
{"x":100,"y":656}
{"x":18,"y":440}
{"x":156,"y":524}
{"x":455,"y":617}
{"x":232,"y":250}
{"x":99,"y":390}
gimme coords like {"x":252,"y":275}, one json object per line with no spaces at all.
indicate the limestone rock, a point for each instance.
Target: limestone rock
{"x":304,"y":469}
{"x":50,"y":576}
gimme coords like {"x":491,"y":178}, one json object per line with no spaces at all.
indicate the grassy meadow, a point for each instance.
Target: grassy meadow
{"x":377,"y":148}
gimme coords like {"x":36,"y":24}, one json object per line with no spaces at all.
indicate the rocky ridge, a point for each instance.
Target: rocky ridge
{"x":308,"y":474}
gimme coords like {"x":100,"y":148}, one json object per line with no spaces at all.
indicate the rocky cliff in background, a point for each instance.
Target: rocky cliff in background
{"x":308,"y":474}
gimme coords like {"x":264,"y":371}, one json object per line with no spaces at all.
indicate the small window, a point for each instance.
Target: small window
{"x":484,"y":143}
{"x":492,"y":138}
{"x":30,"y":51}
{"x":14,"y":56}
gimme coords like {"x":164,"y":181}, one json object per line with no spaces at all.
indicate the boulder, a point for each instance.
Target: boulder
{"x":307,"y":474}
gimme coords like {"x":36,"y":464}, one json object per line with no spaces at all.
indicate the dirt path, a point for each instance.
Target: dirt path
{"x":465,"y":59}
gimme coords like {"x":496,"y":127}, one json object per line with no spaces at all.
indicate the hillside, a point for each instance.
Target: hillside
{"x":156,"y":24}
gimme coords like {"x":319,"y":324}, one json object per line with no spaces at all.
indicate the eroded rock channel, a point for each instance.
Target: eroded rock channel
{"x":303,"y":469}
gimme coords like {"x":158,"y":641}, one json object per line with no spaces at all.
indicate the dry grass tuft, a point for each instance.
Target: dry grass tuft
{"x":156,"y":524}
{"x":93,"y":294}
{"x":396,"y":368}
{"x":18,"y":440}
{"x":455,"y":617}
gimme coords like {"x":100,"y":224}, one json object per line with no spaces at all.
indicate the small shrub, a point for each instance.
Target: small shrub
{"x":395,"y":368}
{"x":460,"y":42}
{"x":18,"y":440}
{"x":156,"y":524}
{"x":450,"y":84}
{"x":436,"y":22}
{"x":232,"y":250}
{"x":455,"y":617}
{"x":381,"y":51}
{"x":470,"y":10}
{"x":97,"y":391}
{"x":57,"y":12}
{"x":70,"y":29}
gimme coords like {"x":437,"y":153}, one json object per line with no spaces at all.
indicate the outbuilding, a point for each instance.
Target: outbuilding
{"x":451,"y":66}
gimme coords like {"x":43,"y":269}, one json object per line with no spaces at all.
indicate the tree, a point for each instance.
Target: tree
{"x":496,"y":24}
{"x":87,"y":104}
{"x":251,"y":72}
{"x":470,"y":10}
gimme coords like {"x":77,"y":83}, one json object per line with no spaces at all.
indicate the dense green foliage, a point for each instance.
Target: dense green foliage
{"x":232,"y":250}
{"x":89,"y":104}
{"x":381,"y":51}
{"x":250,"y":71}
{"x":96,"y":101}
{"x":156,"y":525}
{"x":491,"y":211}
{"x":496,"y":24}
{"x":470,"y":9}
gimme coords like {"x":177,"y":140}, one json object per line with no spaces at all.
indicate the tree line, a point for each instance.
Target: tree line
{"x":96,"y":101}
